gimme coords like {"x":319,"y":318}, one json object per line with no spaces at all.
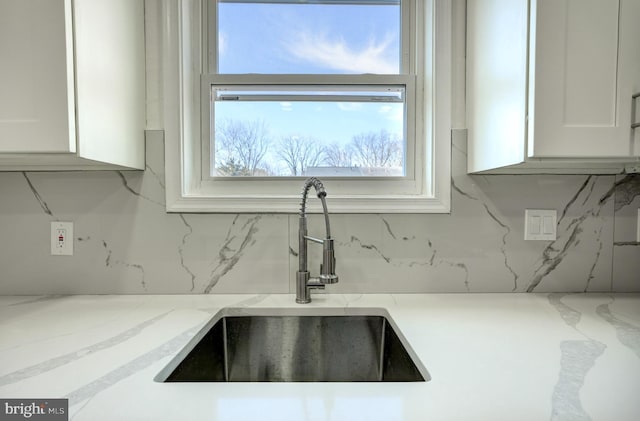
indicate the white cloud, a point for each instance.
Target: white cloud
{"x":222,"y":43}
{"x":337,"y":55}
{"x":286,"y":106}
{"x":391,"y":113}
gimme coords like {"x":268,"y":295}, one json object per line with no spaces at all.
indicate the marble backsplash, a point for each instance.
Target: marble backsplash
{"x":125,"y":242}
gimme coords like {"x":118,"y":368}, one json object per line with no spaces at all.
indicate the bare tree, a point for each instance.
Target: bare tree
{"x":231,"y":168}
{"x":299,"y":153}
{"x":335,"y":155}
{"x":376,"y":150}
{"x":241,"y":146}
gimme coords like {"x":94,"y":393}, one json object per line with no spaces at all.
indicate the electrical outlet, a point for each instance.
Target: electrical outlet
{"x":62,"y":238}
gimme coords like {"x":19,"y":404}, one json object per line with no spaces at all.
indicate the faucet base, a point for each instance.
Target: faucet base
{"x":304,"y":284}
{"x":303,"y":296}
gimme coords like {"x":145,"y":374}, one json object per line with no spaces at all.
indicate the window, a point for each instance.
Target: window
{"x":271,"y":92}
{"x":324,"y":126}
{"x":301,"y":130}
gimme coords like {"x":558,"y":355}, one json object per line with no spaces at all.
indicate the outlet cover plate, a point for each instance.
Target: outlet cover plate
{"x":540,"y":224}
{"x":61,"y":238}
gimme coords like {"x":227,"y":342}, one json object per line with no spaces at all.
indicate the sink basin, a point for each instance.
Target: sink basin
{"x":295,"y":345}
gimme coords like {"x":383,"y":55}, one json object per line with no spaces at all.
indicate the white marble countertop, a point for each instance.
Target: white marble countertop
{"x":491,"y":357}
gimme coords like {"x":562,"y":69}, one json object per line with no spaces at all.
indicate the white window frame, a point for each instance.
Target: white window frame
{"x":186,"y":107}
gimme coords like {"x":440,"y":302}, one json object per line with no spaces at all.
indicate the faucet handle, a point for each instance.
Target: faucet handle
{"x":328,"y":266}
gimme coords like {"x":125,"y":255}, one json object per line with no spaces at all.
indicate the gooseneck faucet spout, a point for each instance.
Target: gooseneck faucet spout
{"x":304,"y":283}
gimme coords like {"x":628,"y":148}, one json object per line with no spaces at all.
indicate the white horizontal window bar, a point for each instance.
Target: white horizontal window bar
{"x":309,"y":93}
{"x":314,"y":98}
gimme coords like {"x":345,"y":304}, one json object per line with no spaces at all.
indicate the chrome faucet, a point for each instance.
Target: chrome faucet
{"x":304,"y":283}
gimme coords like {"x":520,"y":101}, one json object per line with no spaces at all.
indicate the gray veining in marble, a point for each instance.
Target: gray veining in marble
{"x":626,"y":248}
{"x":37,"y":299}
{"x":181,"y":252}
{"x":111,"y":263}
{"x":504,"y":226}
{"x":627,"y":190}
{"x":126,"y":242}
{"x":578,"y":357}
{"x":556,"y":251}
{"x":628,"y":334}
{"x":239,"y":237}
{"x":52,"y":364}
{"x":570,"y":316}
{"x":43,"y":204}
{"x":125,"y":183}
{"x":134,"y":366}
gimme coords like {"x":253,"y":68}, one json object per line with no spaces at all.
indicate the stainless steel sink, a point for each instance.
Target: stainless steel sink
{"x":289,"y":345}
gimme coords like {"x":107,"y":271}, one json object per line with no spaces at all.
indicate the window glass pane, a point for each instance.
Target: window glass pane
{"x":307,"y":134}
{"x":309,"y":37}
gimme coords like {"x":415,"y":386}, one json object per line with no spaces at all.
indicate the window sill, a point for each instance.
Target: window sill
{"x":291,"y":204}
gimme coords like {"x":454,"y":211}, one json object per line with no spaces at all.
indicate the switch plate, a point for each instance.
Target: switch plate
{"x":61,"y":238}
{"x":638,"y":227}
{"x":540,"y":224}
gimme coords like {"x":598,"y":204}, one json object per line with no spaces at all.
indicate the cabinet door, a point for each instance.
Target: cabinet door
{"x":585,"y":63}
{"x":36,"y":76}
{"x":629,"y":69}
{"x":496,"y":83}
{"x":110,"y":80}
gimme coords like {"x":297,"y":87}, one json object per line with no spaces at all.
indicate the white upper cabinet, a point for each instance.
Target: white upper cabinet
{"x":550,"y":85}
{"x":72,"y":85}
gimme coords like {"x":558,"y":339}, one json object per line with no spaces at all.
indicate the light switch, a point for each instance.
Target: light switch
{"x":535,"y":223}
{"x":638,"y":227}
{"x":540,"y":224}
{"x":549,"y":225}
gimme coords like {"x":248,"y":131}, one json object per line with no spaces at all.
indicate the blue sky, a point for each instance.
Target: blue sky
{"x":324,"y":121}
{"x":311,"y":39}
{"x":308,"y":38}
